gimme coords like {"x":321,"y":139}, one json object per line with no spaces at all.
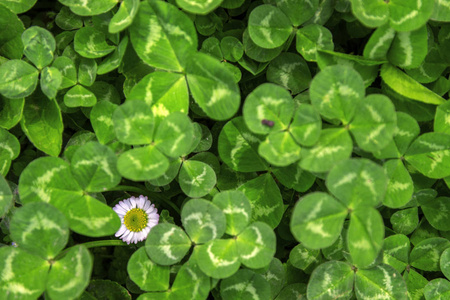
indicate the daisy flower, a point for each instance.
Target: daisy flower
{"x":138,"y":215}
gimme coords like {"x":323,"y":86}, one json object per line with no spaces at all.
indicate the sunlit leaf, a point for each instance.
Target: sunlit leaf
{"x":70,"y":275}
{"x":23,"y":275}
{"x":41,"y":229}
{"x":18,"y":79}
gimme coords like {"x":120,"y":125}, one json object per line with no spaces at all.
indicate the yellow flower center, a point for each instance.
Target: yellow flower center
{"x":135,"y":219}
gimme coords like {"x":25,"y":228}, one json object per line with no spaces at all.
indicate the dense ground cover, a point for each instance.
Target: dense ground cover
{"x":224,"y":149}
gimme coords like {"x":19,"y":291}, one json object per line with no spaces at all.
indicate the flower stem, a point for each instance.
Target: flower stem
{"x":128,"y":188}
{"x":93,"y":244}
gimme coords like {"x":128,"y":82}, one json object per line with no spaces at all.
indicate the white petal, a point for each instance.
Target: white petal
{"x":130,"y":236}
{"x":147,"y":205}
{"x":121,"y":230}
{"x":153,"y":216}
{"x":120,"y":209}
{"x":125,"y":205}
{"x":152,"y":223}
{"x":150,"y":209}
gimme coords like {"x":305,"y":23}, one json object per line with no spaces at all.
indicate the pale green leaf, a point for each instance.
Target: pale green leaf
{"x":70,"y":275}
{"x":18,"y":79}
{"x":40,"y":228}
{"x":144,"y":163}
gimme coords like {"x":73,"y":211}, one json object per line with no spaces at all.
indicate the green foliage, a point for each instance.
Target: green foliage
{"x":292,"y":149}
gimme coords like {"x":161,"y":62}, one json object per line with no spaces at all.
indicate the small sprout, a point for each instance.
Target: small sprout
{"x":268,"y":123}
